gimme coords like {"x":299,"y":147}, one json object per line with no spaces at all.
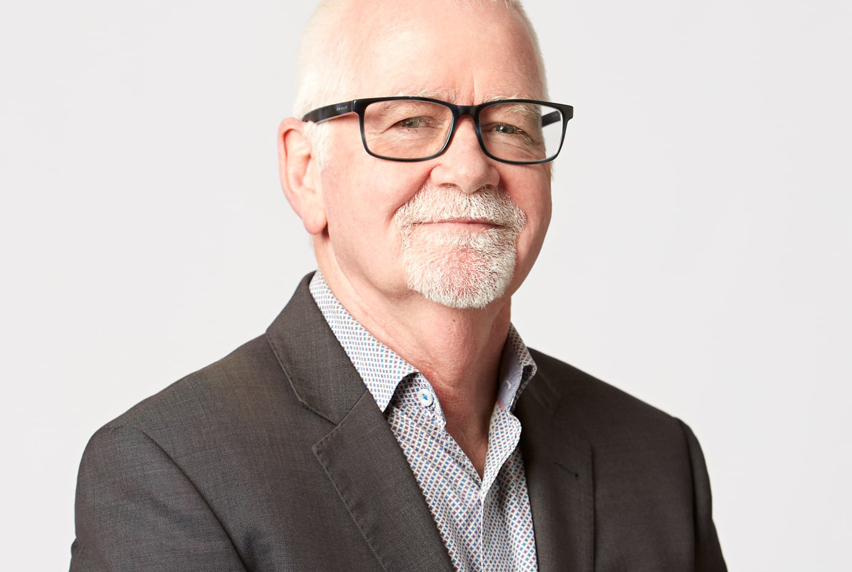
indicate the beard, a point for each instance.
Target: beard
{"x":459,"y":268}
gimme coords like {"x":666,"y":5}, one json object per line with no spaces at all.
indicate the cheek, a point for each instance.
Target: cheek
{"x":363,"y":194}
{"x":532,"y":195}
{"x":374,"y":187}
{"x":545,"y":213}
{"x":532,"y":238}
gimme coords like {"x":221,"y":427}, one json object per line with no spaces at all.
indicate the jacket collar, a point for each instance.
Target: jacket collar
{"x":320,"y":373}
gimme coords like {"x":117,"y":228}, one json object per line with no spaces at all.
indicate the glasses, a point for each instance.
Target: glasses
{"x":518,"y":131}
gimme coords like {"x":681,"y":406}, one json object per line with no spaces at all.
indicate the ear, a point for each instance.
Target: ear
{"x":299,"y":174}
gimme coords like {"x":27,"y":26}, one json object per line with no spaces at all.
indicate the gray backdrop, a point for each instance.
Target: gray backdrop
{"x":699,"y":255}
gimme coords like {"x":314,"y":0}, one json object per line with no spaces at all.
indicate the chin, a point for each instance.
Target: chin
{"x":461,"y":271}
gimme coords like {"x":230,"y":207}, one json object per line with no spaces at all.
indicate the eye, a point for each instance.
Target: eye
{"x":506,"y":129}
{"x":412,"y":123}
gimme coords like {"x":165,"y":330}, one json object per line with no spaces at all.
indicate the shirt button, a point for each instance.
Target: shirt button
{"x":426,"y":398}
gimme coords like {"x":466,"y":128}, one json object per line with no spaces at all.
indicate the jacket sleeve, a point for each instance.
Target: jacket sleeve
{"x":137,"y":510}
{"x":708,"y":552}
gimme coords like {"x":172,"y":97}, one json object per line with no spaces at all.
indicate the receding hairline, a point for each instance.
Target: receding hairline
{"x":328,"y":44}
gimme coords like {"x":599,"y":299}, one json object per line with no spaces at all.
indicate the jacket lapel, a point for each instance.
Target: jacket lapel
{"x":364,"y":461}
{"x":558,"y":466}
{"x":360,"y":454}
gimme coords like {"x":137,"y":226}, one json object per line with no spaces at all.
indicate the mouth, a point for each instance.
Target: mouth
{"x":462,"y":223}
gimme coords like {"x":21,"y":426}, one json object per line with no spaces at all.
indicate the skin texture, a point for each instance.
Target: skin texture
{"x":410,"y":47}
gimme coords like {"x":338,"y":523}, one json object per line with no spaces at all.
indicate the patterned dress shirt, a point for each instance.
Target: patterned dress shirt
{"x":485,"y":523}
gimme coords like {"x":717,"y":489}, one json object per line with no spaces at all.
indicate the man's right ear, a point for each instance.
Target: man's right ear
{"x":300,"y":176}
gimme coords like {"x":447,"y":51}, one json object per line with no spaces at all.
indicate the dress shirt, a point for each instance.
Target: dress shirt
{"x":485,"y":523}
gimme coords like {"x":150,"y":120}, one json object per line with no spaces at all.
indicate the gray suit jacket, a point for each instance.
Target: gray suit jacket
{"x":277,"y":458}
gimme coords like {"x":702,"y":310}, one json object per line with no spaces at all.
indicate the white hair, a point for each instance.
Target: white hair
{"x":324,"y":71}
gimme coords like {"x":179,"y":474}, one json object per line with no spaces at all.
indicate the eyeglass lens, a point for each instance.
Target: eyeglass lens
{"x":412,"y":129}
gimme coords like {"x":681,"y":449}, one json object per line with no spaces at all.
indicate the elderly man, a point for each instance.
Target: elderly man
{"x":391,"y":418}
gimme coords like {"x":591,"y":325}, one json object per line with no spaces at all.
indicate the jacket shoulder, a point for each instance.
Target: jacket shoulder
{"x":593,"y":404}
{"x":650,"y":479}
{"x":244,"y":379}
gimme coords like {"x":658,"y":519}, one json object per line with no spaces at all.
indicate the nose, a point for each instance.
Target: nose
{"x":464,"y":164}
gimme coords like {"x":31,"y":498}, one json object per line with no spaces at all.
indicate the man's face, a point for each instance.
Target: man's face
{"x":461,"y":229}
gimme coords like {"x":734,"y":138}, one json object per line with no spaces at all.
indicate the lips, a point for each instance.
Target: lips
{"x":486,"y":222}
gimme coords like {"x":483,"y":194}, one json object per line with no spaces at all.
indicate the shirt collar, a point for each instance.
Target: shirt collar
{"x":382,"y":369}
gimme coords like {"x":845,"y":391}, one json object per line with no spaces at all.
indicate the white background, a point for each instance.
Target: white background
{"x":699,"y":256}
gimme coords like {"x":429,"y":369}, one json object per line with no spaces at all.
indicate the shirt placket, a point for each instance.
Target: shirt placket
{"x":484,"y":533}
{"x":420,"y":407}
{"x":503,"y":436}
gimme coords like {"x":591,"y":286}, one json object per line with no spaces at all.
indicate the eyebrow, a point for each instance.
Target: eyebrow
{"x":450,"y":96}
{"x":501,"y":96}
{"x":443,"y":95}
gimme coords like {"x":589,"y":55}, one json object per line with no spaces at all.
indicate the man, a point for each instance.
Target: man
{"x":391,"y":418}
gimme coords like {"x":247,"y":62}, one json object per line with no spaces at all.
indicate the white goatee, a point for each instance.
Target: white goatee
{"x":455,"y":267}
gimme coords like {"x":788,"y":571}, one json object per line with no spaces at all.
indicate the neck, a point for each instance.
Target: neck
{"x":458,"y":351}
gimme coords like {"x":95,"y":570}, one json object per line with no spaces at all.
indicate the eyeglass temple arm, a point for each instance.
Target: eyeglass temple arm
{"x":329,"y":112}
{"x":551,"y":117}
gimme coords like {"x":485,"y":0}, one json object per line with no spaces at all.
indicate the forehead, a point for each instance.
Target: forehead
{"x":468,"y":54}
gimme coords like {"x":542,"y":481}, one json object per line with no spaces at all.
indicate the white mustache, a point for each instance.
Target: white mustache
{"x":443,"y":204}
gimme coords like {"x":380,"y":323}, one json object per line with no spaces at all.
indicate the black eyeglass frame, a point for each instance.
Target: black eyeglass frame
{"x":359,"y":105}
